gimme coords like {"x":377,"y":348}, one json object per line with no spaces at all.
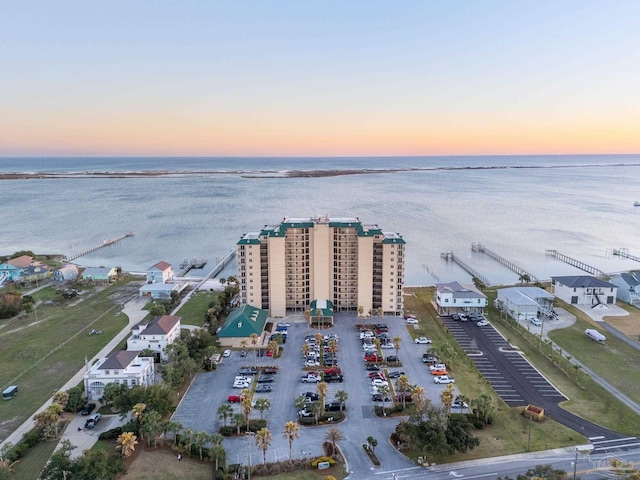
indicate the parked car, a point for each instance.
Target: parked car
{"x":242,"y":378}
{"x":226,"y":353}
{"x":311,"y":363}
{"x":332,"y":407}
{"x":438,"y":366}
{"x":283,"y":324}
{"x":235,"y":398}
{"x":439,"y":372}
{"x":378,"y":382}
{"x":92,"y":420}
{"x":269,"y":371}
{"x":409,"y":316}
{"x":377,"y":397}
{"x":443,"y":379}
{"x":396,"y":374}
{"x":311,"y":378}
{"x":392,"y":359}
{"x":428,"y":358}
{"x":482,"y":323}
{"x":373,"y":375}
{"x":330,"y":371}
{"x":265,"y":379}
{"x":241,"y":385}
{"x":333,"y":378}
{"x":536,"y":322}
{"x":372,"y":358}
{"x":247,"y":371}
{"x":306,"y":412}
{"x":243,"y":353}
{"x":263,"y":388}
{"x":404,"y":397}
{"x":312,"y":395}
{"x":455,"y":316}
{"x":387,"y":346}
{"x":373,"y":368}
{"x":458,"y":403}
{"x":88,"y":408}
{"x":423,"y":340}
{"x":411,"y":321}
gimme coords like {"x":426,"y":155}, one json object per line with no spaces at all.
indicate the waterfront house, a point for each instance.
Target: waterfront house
{"x":628,"y":287}
{"x":584,"y":290}
{"x":160,"y":291}
{"x":240,"y":324}
{"x":155,"y":335}
{"x":122,"y":367}
{"x":161,"y":272}
{"x":100,"y":274}
{"x":525,"y":303}
{"x":455,"y":297}
{"x":12,"y":269}
{"x":68,"y":273}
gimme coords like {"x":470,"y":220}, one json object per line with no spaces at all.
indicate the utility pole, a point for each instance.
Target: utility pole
{"x":575,"y":464}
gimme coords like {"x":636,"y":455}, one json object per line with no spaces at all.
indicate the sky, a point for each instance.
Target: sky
{"x":319,"y":78}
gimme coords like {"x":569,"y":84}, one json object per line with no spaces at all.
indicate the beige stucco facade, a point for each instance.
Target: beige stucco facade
{"x":284,"y":267}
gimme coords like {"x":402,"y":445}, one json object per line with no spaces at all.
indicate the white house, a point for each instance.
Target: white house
{"x":454,"y":297}
{"x":155,"y":335}
{"x":525,"y":303}
{"x":122,"y":367}
{"x":161,"y":272}
{"x":161,"y":291}
{"x":66,"y":273}
{"x":584,"y":290}
{"x":628,"y":287}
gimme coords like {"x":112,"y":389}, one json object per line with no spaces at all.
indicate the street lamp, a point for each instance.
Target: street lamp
{"x":249,"y":436}
{"x":575,"y":464}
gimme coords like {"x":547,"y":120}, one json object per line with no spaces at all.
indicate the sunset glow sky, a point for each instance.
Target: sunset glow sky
{"x":319,"y":77}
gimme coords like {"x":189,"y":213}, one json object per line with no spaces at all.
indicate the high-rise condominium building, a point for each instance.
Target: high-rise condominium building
{"x":284,"y":267}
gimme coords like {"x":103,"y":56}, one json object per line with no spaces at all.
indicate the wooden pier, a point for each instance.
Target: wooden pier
{"x":450,"y":256}
{"x":222,"y":263}
{"x":478,"y":247}
{"x":106,"y":243}
{"x":576,"y":263}
{"x":624,"y":253}
{"x":188,"y":265}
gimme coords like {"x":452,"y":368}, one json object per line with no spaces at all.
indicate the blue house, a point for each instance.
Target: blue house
{"x":161,"y":272}
{"x":628,"y":287}
{"x":68,"y":273}
{"x":12,"y":269}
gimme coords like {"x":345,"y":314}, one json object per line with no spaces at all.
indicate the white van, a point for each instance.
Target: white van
{"x":595,"y":335}
{"x":10,"y":392}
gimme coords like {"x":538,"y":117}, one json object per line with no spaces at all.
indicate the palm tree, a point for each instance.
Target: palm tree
{"x":263,"y":441}
{"x":334,"y":435}
{"x":383,"y":390}
{"x":360,"y":311}
{"x":419,"y":396}
{"x":262,"y":404}
{"x":61,"y":398}
{"x":396,"y":344}
{"x":317,"y":408}
{"x":246,"y":409}
{"x":300,"y":402}
{"x":463,"y":399}
{"x":127,"y":442}
{"x":237,"y":420}
{"x":225,"y":411}
{"x":174,"y":427}
{"x":342,"y":396}
{"x":377,"y":342}
{"x":379,"y":311}
{"x":403,"y":387}
{"x":274,"y":348}
{"x":446,"y":397}
{"x":254,"y":342}
{"x":138,"y":412}
{"x":291,"y":432}
{"x":333,"y":346}
{"x":322,"y":389}
{"x":200,"y":438}
{"x":305,"y":349}
{"x":152,"y":426}
{"x":188,"y":440}
{"x":373,"y":443}
{"x":319,"y":339}
{"x":217,"y":451}
{"x":318,"y":316}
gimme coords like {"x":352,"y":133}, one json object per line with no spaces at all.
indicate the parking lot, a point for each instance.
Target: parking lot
{"x":197,"y":410}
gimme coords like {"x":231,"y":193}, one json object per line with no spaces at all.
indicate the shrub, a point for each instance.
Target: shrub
{"x":110,"y":434}
{"x":331,"y":461}
{"x":227,"y":431}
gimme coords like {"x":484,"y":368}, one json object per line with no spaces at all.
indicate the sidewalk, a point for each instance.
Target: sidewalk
{"x":134,"y":310}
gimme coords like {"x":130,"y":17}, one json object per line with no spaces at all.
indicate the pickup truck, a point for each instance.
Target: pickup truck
{"x":311,"y":378}
{"x":443,"y":379}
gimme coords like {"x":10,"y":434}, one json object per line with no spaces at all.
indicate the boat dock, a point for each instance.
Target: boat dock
{"x":624,"y":253}
{"x":450,"y":256}
{"x":478,"y":247}
{"x":106,"y":243}
{"x":576,"y":263}
{"x":222,"y":263}
{"x":188,"y":265}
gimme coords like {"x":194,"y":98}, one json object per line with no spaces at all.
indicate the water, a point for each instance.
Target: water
{"x":582,"y":210}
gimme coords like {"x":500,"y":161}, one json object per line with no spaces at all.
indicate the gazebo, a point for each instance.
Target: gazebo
{"x":321,"y":312}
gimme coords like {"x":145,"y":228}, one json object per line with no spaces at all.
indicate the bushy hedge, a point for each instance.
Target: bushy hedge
{"x":29,"y":440}
{"x":254,"y":426}
{"x":337,"y":417}
{"x":110,"y":434}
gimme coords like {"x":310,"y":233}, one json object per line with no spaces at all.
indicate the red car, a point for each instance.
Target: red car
{"x":332,"y":371}
{"x":439,"y":372}
{"x":235,"y":398}
{"x":269,"y":353}
{"x":371,"y":358}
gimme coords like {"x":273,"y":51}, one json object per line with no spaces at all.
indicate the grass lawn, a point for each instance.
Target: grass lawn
{"x":41,"y":357}
{"x":336,"y":471}
{"x":194,"y":310}
{"x":164,"y":465}
{"x":30,"y":466}
{"x":617,"y":362}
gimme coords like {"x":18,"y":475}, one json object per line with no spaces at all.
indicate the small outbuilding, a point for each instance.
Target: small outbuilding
{"x":240,"y":324}
{"x":68,"y":273}
{"x":100,"y":274}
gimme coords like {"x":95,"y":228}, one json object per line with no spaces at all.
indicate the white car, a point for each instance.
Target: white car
{"x":443,"y":379}
{"x":378,"y":382}
{"x":412,"y":321}
{"x":311,"y":378}
{"x":387,"y":346}
{"x":536,"y":322}
{"x":226,"y":353}
{"x":438,"y":366}
{"x":241,"y":378}
{"x":482,"y":323}
{"x":311,"y":363}
{"x":241,"y":385}
{"x":423,"y":340}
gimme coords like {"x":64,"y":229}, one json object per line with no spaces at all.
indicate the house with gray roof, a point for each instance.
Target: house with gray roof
{"x":455,"y":297}
{"x":155,"y":335}
{"x":628,"y":284}
{"x":100,"y":274}
{"x":122,"y":367}
{"x":525,"y":303}
{"x":584,"y":290}
{"x":67,"y":273}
